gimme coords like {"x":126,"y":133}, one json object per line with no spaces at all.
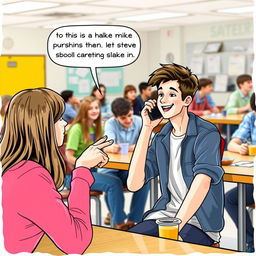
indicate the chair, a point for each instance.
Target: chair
{"x":250,"y":209}
{"x":222,"y":147}
{"x":94,"y":195}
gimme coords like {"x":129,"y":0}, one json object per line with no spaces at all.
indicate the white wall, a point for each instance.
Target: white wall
{"x":34,"y":42}
{"x":155,"y":46}
{"x":174,"y":39}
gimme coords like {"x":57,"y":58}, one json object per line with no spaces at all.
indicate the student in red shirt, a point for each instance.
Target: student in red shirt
{"x":200,"y":104}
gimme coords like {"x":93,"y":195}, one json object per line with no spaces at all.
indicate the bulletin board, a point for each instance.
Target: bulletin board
{"x":19,"y":72}
{"x":81,"y":82}
{"x":234,"y":58}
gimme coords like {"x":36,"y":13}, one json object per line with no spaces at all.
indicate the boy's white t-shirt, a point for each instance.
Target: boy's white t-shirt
{"x":177,"y":187}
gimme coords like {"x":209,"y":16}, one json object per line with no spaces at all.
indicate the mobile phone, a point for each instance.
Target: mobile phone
{"x":154,"y":114}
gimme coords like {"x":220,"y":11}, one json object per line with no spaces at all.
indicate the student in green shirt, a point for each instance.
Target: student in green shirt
{"x":239,"y":101}
{"x":85,"y":129}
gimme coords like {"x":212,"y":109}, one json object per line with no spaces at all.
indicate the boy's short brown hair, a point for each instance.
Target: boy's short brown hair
{"x":243,"y":78}
{"x":203,"y":82}
{"x":188,"y":82}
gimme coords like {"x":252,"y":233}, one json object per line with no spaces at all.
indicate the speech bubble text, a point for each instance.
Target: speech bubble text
{"x":94,"y":46}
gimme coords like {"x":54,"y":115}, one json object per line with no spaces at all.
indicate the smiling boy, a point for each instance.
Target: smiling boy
{"x":185,"y":155}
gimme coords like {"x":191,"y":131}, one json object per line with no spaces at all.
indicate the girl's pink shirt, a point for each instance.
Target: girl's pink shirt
{"x":33,"y":207}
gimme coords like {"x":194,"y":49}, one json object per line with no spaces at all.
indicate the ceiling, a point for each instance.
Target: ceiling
{"x":115,"y":11}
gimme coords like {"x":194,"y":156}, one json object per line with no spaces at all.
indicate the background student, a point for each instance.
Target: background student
{"x":85,"y":129}
{"x":239,"y":101}
{"x":72,"y":103}
{"x":34,"y":171}
{"x":245,"y":132}
{"x":145,"y":94}
{"x":189,"y":170}
{"x":130,"y":93}
{"x":101,"y":96}
{"x":200,"y":104}
{"x":125,"y":127}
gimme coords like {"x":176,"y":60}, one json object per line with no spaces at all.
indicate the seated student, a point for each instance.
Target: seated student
{"x":200,"y":105}
{"x":33,"y":171}
{"x":85,"y":129}
{"x":189,"y":169}
{"x":105,"y":108}
{"x":124,"y":127}
{"x":239,"y":101}
{"x":130,"y":93}
{"x":71,"y":105}
{"x":145,"y":94}
{"x":246,"y":131}
{"x":212,"y":103}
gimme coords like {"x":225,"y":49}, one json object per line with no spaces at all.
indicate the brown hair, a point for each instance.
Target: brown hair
{"x":95,"y":88}
{"x":82,"y":118}
{"x":188,"y":82}
{"x":203,"y":82}
{"x":30,"y":131}
{"x":5,"y":101}
{"x":243,"y":78}
{"x":127,"y":89}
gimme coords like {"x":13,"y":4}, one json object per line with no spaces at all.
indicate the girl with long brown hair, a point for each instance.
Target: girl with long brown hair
{"x":85,"y":129}
{"x":33,"y":170}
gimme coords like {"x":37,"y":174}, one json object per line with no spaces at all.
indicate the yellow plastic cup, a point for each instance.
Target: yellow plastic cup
{"x":168,"y":227}
{"x":252,"y":150}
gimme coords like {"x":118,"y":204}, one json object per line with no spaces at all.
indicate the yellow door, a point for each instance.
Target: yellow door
{"x":19,"y":72}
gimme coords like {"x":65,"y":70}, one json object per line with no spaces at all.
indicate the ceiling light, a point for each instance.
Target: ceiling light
{"x":26,"y":6}
{"x":75,"y":23}
{"x":238,"y":10}
{"x":153,"y":16}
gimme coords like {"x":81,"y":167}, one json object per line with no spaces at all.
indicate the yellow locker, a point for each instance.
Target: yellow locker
{"x":19,"y":72}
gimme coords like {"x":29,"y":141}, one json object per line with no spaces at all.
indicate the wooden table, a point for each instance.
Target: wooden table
{"x":240,"y":175}
{"x":228,"y":120}
{"x":116,"y":241}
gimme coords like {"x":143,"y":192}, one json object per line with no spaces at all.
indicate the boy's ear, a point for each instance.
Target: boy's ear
{"x":187,"y":101}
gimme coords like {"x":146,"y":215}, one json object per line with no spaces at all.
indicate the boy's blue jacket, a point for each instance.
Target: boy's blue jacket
{"x":200,"y":153}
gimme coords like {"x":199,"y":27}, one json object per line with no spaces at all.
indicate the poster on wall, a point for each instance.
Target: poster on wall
{"x":236,"y":64}
{"x":81,"y":82}
{"x":213,"y":63}
{"x":197,"y":64}
{"x":221,"y":83}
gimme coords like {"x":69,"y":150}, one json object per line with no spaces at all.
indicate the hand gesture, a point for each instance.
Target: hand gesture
{"x":93,"y":155}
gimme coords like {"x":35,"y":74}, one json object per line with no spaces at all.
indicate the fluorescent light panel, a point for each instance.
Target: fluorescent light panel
{"x":153,"y":16}
{"x":75,"y":23}
{"x":26,"y":6}
{"x":245,"y":9}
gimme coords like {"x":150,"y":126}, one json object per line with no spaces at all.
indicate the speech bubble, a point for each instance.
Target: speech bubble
{"x":94,"y":46}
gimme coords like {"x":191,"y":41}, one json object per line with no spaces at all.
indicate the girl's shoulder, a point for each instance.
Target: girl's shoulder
{"x":76,"y":127}
{"x":28,"y":169}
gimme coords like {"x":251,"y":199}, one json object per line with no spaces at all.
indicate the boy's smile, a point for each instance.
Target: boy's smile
{"x":169,"y":99}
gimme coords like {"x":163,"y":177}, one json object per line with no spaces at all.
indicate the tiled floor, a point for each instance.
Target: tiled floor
{"x":228,"y":234}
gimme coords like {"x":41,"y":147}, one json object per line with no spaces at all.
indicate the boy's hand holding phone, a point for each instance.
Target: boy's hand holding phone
{"x":151,"y":115}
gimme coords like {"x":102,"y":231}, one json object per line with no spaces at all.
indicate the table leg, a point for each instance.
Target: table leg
{"x":153,"y":191}
{"x":228,"y":133}
{"x":241,"y":217}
